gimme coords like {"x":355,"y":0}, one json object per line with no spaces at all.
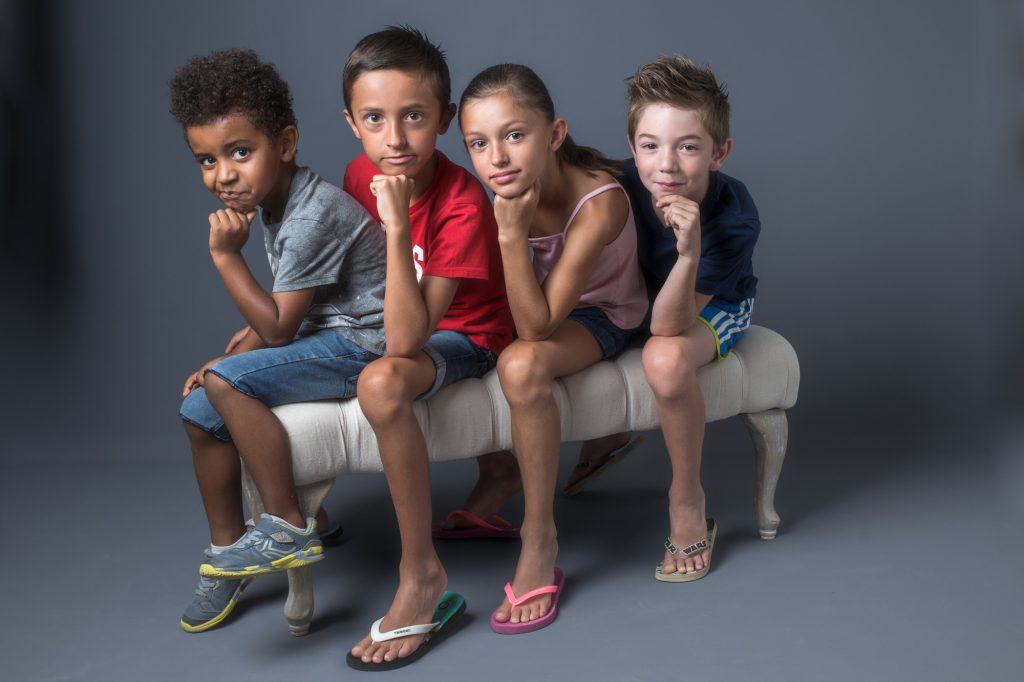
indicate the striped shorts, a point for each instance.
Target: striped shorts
{"x":727,"y":321}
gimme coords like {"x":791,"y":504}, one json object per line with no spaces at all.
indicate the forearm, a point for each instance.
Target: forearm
{"x":529,"y":306}
{"x":257,"y":306}
{"x":675,"y":307}
{"x":251,"y":341}
{"x":406,"y":318}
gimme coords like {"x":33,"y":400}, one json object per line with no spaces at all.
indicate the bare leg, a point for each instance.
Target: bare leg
{"x":592,"y":452}
{"x":497,"y":482}
{"x":219,"y":476}
{"x":670,"y":365}
{"x":262,"y":443}
{"x":387,"y":389}
{"x":526,"y":370}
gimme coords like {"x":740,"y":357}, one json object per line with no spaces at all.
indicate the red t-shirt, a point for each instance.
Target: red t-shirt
{"x":453,"y":235}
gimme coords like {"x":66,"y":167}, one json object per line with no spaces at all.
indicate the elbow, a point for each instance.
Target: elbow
{"x":403,"y":347}
{"x":275,"y":340}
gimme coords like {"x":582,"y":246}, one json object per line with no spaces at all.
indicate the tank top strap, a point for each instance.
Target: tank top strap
{"x":588,"y":196}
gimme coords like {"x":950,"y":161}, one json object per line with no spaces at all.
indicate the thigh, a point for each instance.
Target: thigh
{"x":568,"y":350}
{"x":321,"y":366}
{"x":454,"y":357}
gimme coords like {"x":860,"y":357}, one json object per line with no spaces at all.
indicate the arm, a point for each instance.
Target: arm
{"x":274,"y":318}
{"x":243,"y":341}
{"x":539,"y":310}
{"x":677,"y":304}
{"x":412,"y":310}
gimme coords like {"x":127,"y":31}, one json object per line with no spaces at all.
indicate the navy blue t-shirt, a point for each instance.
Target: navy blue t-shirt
{"x":729,"y":226}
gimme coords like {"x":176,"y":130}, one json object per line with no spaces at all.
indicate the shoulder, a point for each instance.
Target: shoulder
{"x":324,"y":205}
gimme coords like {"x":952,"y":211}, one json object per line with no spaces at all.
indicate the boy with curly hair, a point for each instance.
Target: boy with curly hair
{"x":307,"y":339}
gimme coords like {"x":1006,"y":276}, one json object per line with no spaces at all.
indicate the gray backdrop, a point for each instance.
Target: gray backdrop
{"x":882,"y":143}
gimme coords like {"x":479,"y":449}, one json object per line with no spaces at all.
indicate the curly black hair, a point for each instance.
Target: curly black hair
{"x":232,"y":81}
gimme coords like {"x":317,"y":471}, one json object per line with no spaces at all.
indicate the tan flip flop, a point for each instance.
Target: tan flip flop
{"x":683,"y":577}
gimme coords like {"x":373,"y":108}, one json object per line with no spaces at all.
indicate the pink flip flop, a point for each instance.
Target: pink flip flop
{"x":545,"y":620}
{"x":493,"y":527}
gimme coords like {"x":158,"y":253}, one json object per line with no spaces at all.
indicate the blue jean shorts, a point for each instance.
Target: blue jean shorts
{"x":611,"y":339}
{"x":324,"y":365}
{"x":455,"y":357}
{"x":727,"y":321}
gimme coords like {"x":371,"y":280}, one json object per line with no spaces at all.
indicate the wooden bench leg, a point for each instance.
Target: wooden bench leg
{"x":770,"y":432}
{"x":298,"y":607}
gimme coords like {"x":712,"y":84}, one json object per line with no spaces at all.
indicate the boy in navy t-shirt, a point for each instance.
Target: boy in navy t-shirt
{"x":697,"y":228}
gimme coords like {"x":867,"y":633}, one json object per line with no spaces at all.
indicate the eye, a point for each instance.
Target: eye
{"x":477,"y":145}
{"x":514,"y":136}
{"x":206,"y":161}
{"x":414,"y":116}
{"x":374,"y":118}
{"x":689,"y":147}
{"x":240,"y":153}
{"x":649,"y":146}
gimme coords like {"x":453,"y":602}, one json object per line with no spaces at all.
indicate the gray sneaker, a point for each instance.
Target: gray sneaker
{"x":270,"y":546}
{"x":212,"y":603}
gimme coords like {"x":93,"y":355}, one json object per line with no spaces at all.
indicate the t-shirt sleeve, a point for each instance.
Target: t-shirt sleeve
{"x":310,"y":256}
{"x":727,"y":260}
{"x":459,"y":247}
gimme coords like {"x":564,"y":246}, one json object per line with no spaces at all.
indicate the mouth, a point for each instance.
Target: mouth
{"x":504,"y":177}
{"x":400,"y":159}
{"x":667,"y":186}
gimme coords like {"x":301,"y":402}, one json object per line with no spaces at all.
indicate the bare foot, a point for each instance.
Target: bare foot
{"x":689,"y":525}
{"x":593,"y":453}
{"x":414,"y":604}
{"x":498,"y":482}
{"x":536,"y":568}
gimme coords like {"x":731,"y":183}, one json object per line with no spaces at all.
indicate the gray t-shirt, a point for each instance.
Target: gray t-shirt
{"x":327,"y":240}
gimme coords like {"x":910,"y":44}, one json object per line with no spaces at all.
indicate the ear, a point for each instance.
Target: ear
{"x":632,"y":148}
{"x":288,"y":142}
{"x":559,"y":129}
{"x":351,"y":123}
{"x":721,"y":154}
{"x":447,"y":116}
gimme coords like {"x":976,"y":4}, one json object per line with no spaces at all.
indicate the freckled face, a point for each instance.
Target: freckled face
{"x":509,"y":145}
{"x":674,"y":153}
{"x":241,"y":165}
{"x":397,"y":116}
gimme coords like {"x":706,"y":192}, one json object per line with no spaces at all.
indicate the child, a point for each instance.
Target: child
{"x":445,"y":312}
{"x":696,"y":229}
{"x":308,"y":339}
{"x":573,"y":305}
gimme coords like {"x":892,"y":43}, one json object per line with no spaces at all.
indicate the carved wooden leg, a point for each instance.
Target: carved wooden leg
{"x":298,"y":608}
{"x":770,"y":432}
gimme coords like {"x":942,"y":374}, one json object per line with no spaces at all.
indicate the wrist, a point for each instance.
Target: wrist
{"x":223,"y":256}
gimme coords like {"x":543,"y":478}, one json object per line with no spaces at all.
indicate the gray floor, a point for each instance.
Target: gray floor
{"x":897,"y":560}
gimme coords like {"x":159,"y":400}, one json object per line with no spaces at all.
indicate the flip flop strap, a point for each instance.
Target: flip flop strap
{"x":516,"y":601}
{"x":378,"y":636}
{"x":498,"y":522}
{"x":686,"y":551}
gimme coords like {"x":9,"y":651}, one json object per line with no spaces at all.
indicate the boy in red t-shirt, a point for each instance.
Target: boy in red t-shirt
{"x":445,"y":312}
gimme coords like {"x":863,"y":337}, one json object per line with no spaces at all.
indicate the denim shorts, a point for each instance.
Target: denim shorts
{"x":320,"y":366}
{"x":611,"y":339}
{"x":455,"y":357}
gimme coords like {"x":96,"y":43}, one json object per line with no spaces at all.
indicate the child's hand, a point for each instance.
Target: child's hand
{"x":394,"y":193}
{"x":237,"y":339}
{"x":683,"y":216}
{"x":514,"y":216}
{"x":196,"y":380}
{"x":229,"y":230}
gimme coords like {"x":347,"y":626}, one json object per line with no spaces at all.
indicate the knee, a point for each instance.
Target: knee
{"x":383,"y":391}
{"x":668,"y":368}
{"x":523,"y":372}
{"x":218,"y":391}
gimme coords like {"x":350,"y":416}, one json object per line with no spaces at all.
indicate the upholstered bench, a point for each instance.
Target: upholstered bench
{"x":757,"y":382}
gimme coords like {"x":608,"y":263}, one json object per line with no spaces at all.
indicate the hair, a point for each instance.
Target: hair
{"x":528,"y":90}
{"x":677,"y":81}
{"x":402,"y":48}
{"x":207,"y":89}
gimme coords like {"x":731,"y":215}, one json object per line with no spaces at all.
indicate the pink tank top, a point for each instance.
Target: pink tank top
{"x":616,"y":286}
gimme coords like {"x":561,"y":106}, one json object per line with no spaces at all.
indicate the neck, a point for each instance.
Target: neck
{"x":422,"y":181}
{"x":277,"y":199}
{"x":554,"y":183}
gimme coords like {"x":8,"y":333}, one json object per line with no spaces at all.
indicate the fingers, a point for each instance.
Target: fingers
{"x":190,"y":384}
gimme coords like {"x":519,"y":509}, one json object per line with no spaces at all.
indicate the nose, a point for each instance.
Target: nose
{"x":226,"y":174}
{"x":499,"y":157}
{"x":395,"y":136}
{"x":667,"y":160}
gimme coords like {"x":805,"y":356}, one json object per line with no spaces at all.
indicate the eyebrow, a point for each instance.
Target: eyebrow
{"x":511,"y":125}
{"x":369,"y":109}
{"x":684,"y":137}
